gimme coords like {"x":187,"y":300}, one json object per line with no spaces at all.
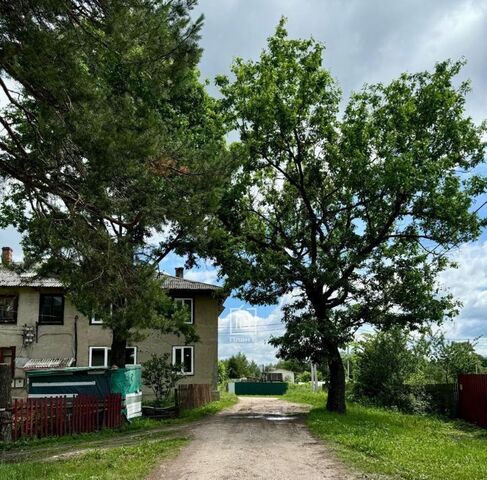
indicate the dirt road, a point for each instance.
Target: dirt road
{"x":258,"y":438}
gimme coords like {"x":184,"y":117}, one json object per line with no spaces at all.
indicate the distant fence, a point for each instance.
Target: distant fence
{"x":43,"y":417}
{"x":192,"y":396}
{"x":443,"y":398}
{"x":258,"y":388}
{"x":472,"y":398}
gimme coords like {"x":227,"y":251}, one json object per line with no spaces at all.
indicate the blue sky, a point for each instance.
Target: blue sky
{"x":366,"y":42}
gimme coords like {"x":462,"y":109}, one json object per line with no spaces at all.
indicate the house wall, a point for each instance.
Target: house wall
{"x":58,"y":341}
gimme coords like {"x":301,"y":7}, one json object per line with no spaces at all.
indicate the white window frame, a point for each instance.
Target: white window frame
{"x":105,"y":358}
{"x":182,"y":300}
{"x":94,"y":321}
{"x":182,"y":347}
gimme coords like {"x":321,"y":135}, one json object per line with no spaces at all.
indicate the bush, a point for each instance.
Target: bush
{"x":159,"y":374}
{"x":385,"y":372}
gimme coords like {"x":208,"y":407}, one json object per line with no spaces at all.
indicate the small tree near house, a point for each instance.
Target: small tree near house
{"x":159,"y":374}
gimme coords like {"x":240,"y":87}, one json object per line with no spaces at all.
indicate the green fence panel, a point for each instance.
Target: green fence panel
{"x":127,"y":380}
{"x":260,"y":388}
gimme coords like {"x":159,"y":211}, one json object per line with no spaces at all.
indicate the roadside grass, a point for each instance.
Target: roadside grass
{"x":130,"y":434}
{"x":226,"y":400}
{"x":401,"y":446}
{"x":123,"y":462}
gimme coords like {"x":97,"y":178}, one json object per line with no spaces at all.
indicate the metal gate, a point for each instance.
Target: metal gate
{"x":472,"y":398}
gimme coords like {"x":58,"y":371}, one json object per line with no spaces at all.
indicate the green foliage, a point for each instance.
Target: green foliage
{"x":392,"y":368}
{"x":354,"y":214}
{"x":108,"y":139}
{"x":238,"y":366}
{"x":385,"y":367}
{"x":304,"y":376}
{"x":222,"y":372}
{"x":449,"y":359}
{"x":161,"y":375}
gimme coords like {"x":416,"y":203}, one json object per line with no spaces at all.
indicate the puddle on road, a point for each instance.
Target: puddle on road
{"x":266,"y":416}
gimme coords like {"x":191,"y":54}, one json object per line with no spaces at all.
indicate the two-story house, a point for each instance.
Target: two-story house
{"x":41,"y":328}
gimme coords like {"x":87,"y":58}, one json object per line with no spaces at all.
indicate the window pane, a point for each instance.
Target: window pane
{"x":188,"y":359}
{"x":97,"y":357}
{"x":130,"y":356}
{"x":51,"y":309}
{"x":7,"y":355}
{"x":8,"y":309}
{"x":177,"y":356}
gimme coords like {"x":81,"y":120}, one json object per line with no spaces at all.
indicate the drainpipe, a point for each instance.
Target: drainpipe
{"x":76,"y":340}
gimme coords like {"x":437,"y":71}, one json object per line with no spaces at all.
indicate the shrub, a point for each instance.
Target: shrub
{"x":159,"y":374}
{"x":386,"y":368}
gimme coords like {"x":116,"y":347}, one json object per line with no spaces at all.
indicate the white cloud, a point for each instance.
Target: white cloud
{"x":205,"y":276}
{"x":468,"y":283}
{"x":243,"y":329}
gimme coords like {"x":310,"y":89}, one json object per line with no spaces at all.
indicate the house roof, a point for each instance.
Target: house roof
{"x":178,"y":283}
{"x":11,"y":278}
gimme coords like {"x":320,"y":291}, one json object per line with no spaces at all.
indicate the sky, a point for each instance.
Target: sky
{"x":366,"y":42}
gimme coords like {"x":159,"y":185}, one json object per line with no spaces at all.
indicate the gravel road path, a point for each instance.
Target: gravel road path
{"x":258,"y":438}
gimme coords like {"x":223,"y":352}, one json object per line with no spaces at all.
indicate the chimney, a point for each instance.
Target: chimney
{"x":180,"y":272}
{"x":6,"y":255}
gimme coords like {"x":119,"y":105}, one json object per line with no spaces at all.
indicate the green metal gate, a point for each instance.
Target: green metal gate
{"x":260,"y":388}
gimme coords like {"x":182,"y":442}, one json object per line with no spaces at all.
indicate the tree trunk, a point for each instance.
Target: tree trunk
{"x":336,"y":392}
{"x":119,"y":343}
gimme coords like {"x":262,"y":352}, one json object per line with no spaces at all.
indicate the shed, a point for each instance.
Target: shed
{"x":99,"y":382}
{"x":287,"y":375}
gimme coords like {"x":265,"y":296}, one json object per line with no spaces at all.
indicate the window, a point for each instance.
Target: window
{"x":7,"y":355}
{"x":95,"y":320}
{"x":8,"y":308}
{"x":51,"y":309}
{"x":183,"y":356}
{"x":188,"y":303}
{"x":101,"y":356}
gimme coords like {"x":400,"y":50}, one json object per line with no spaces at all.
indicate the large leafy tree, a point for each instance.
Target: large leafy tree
{"x":351,"y":214}
{"x":107,"y":143}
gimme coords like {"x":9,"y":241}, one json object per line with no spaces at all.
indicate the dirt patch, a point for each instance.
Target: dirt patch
{"x":258,"y":438}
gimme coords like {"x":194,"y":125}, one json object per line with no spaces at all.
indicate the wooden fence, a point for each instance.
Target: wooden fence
{"x":192,"y":396}
{"x":45,"y":417}
{"x":472,"y":398}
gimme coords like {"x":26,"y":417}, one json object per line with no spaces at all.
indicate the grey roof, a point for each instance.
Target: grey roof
{"x":11,"y":278}
{"x":178,"y":283}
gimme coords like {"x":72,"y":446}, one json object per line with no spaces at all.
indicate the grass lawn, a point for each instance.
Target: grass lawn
{"x":412,"y":447}
{"x":123,"y":462}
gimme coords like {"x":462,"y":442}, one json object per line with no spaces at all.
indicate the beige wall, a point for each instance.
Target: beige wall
{"x":59,"y":340}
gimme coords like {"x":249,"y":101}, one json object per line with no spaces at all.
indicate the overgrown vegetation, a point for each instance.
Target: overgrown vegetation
{"x":393,"y":368}
{"x":404,"y":446}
